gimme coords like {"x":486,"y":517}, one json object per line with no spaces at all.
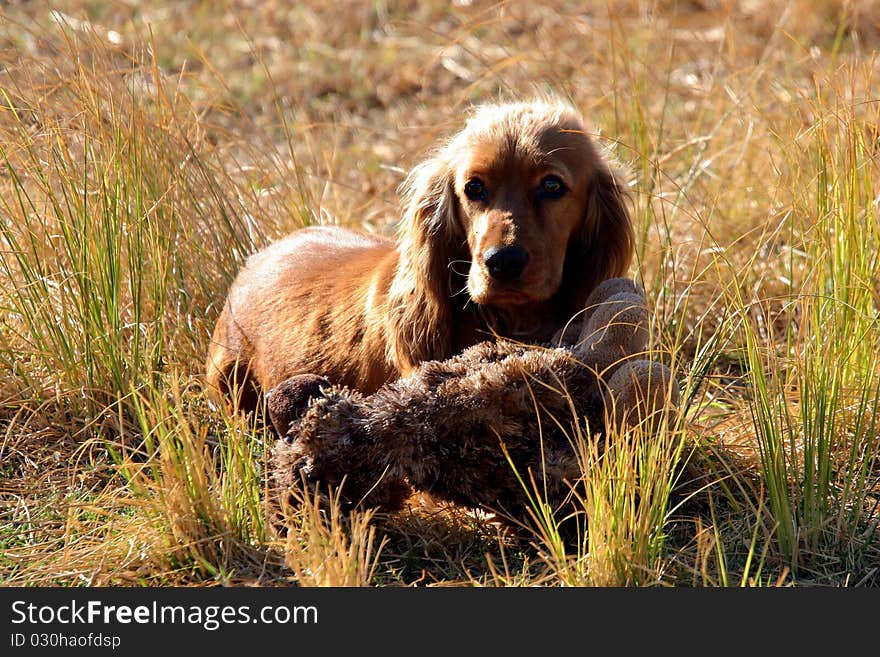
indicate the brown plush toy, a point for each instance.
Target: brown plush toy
{"x":472,"y":428}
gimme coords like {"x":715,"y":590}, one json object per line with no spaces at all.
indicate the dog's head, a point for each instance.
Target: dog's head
{"x":516,"y":209}
{"x":530,"y":192}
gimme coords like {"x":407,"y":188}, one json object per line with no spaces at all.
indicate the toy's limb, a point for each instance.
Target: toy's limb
{"x":613,"y":343}
{"x":617,"y":328}
{"x":571,"y":333}
{"x":289,"y":399}
{"x":608,"y":289}
{"x":640,"y":390}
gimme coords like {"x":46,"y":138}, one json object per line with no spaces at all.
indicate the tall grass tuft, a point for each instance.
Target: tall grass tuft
{"x":327,"y":547}
{"x":122,"y":222}
{"x":110,"y":195}
{"x":815,"y":406}
{"x":201,"y":487}
{"x":614,"y":531}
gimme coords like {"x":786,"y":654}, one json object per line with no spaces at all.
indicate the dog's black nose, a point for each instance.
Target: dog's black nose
{"x":505,"y":263}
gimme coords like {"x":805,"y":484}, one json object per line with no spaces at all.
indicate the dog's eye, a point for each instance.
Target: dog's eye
{"x":475,"y":190}
{"x":551,"y":187}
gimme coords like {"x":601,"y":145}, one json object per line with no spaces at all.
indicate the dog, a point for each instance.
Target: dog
{"x":506,"y":229}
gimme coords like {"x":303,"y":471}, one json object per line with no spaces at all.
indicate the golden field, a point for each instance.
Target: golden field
{"x":147,"y":148}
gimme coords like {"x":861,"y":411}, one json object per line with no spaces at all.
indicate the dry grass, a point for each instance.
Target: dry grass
{"x":147,"y":148}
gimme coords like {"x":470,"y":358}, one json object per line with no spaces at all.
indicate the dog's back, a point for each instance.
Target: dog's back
{"x":284,"y":303}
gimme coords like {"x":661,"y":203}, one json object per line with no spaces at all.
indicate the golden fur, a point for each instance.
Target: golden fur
{"x":363,"y":310}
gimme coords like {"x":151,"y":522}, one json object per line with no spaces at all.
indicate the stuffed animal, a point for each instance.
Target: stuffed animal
{"x":478,"y":427}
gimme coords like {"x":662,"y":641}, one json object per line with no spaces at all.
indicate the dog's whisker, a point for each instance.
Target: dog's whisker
{"x":463,"y":290}
{"x":451,"y":267}
{"x":559,"y":150}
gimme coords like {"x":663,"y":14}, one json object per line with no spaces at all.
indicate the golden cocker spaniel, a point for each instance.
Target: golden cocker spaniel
{"x":506,"y":230}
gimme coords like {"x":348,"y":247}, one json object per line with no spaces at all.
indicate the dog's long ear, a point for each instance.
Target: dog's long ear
{"x":604,"y":246}
{"x":421,"y":304}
